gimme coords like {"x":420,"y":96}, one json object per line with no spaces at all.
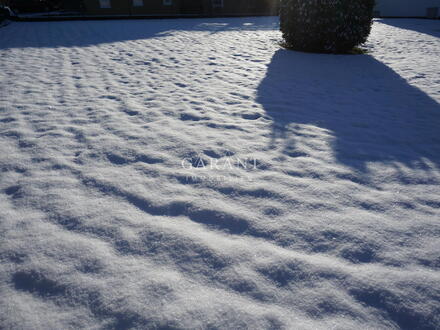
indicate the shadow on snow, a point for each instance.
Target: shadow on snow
{"x":372,"y":113}
{"x":88,"y":33}
{"x":429,"y":27}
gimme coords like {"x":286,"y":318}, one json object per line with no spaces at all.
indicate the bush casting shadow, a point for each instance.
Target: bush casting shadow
{"x":373,"y":114}
{"x":335,"y":26}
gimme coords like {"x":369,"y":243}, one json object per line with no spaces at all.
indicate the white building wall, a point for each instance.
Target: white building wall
{"x":405,"y":8}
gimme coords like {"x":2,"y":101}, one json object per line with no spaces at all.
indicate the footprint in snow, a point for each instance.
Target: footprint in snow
{"x":131,"y":112}
{"x":181,"y":85}
{"x":187,"y":116}
{"x":13,"y":191}
{"x":117,"y":160}
{"x":7,"y":120}
{"x":251,"y":116}
{"x":110,"y":97}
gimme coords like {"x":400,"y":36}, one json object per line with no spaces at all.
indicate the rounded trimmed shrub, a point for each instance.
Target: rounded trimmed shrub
{"x":325,"y":26}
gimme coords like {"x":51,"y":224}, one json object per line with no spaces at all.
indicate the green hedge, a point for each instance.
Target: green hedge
{"x":326,"y":26}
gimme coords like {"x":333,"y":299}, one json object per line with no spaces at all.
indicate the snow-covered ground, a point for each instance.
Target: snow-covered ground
{"x":190,"y":173}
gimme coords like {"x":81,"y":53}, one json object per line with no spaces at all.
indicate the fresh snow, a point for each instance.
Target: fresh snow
{"x":190,"y":173}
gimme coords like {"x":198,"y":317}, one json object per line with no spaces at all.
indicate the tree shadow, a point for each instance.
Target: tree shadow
{"x":372,"y":113}
{"x":88,"y":33}
{"x":429,"y":27}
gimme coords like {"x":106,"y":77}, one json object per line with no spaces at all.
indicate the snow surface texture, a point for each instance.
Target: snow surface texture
{"x":109,"y":218}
